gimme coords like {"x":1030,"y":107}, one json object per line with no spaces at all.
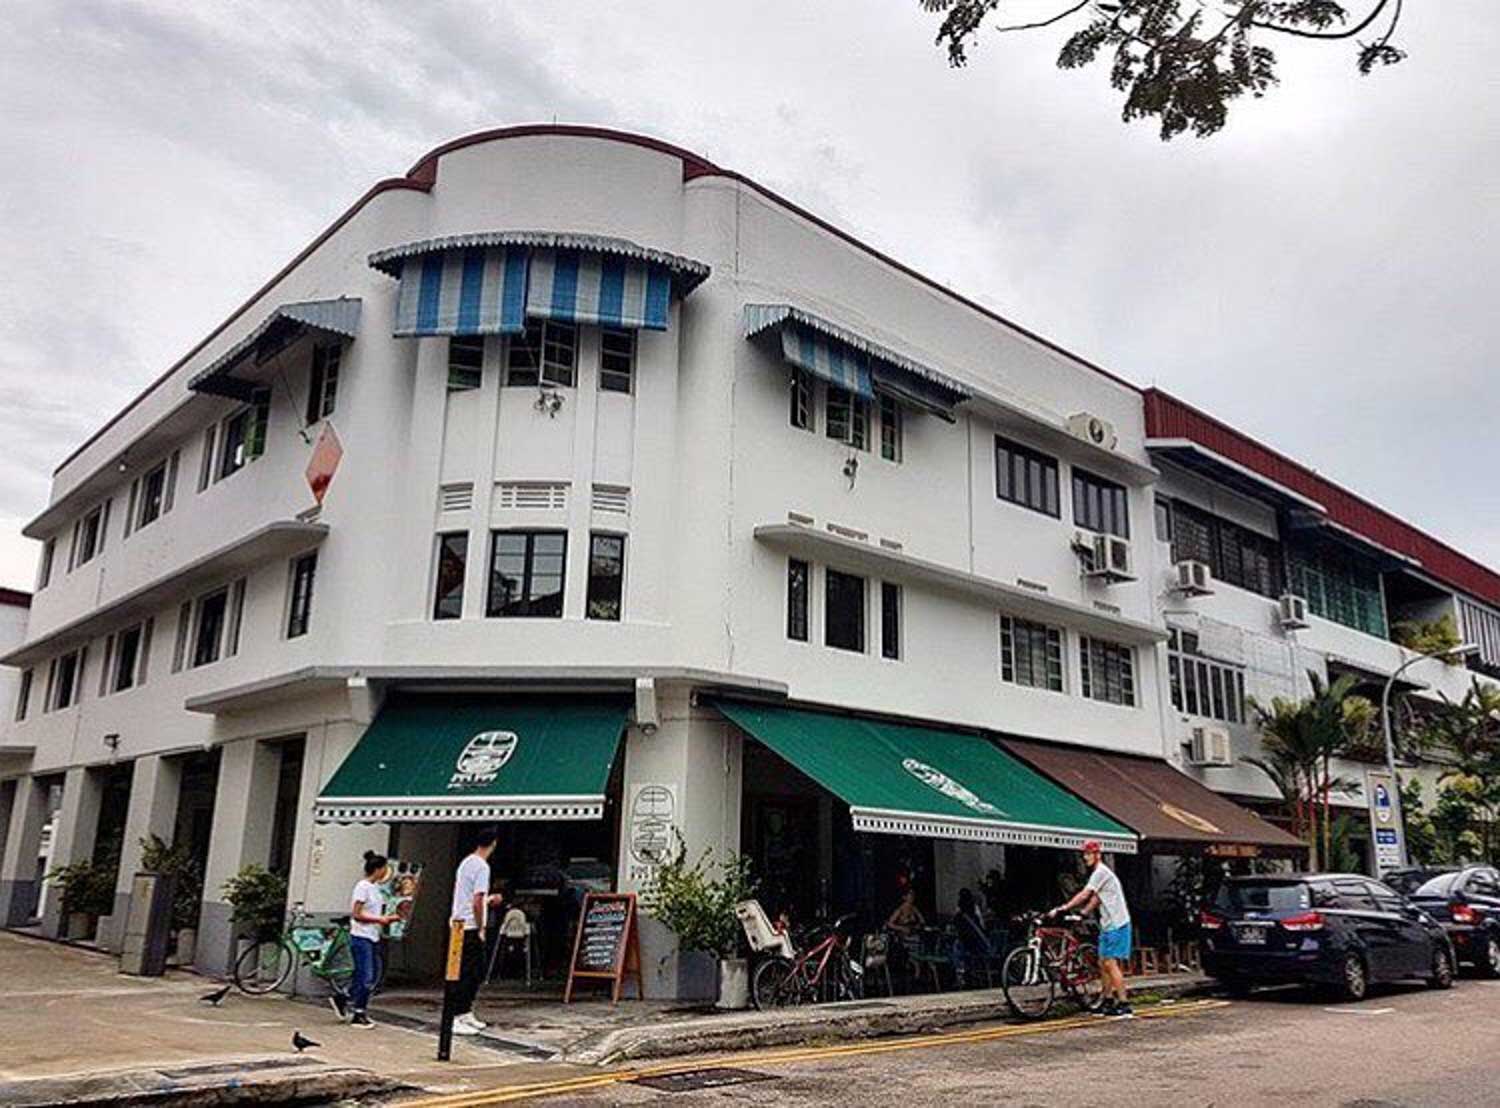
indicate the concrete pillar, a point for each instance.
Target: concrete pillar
{"x":73,"y":837}
{"x":248,"y":773}
{"x":327,"y":857}
{"x":23,"y":841}
{"x":154,"y":786}
{"x":683,"y":780}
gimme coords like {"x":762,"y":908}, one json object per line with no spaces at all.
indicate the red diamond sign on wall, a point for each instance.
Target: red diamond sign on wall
{"x":324,"y":463}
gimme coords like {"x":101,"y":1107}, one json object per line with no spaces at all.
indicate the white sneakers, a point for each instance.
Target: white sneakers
{"x":468,"y":1024}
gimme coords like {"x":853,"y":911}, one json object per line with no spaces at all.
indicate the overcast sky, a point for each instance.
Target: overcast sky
{"x":1324,"y":274}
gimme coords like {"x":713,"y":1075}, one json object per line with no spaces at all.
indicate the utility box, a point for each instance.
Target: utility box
{"x":148,"y":927}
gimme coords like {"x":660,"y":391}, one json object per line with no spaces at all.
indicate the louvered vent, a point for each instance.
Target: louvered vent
{"x":532,"y":495}
{"x":849,"y":533}
{"x":457,"y":497}
{"x":612,"y":498}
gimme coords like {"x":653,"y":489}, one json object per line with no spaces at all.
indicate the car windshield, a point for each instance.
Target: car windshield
{"x":1442,"y":885}
{"x":1264,"y":896}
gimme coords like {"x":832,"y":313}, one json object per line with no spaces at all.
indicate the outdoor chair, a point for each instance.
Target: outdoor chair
{"x":875,"y":955}
{"x":931,"y":954}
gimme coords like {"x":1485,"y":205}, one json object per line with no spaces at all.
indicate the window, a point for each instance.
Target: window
{"x":452,"y":561}
{"x":234,"y":446}
{"x":299,"y":606}
{"x":1234,"y":554}
{"x":844,"y":611}
{"x":153,"y":497}
{"x":208,"y":628}
{"x":1200,"y":687}
{"x":1481,"y":626}
{"x":1031,"y":654}
{"x":606,"y":576}
{"x":44,"y":571}
{"x":1106,"y":671}
{"x":797,"y":575}
{"x":88,"y":536}
{"x":465,"y":363}
{"x":23,"y":694}
{"x":323,"y":382}
{"x":1026,"y":477}
{"x":545,"y":354}
{"x":1100,"y":505}
{"x":616,"y":359}
{"x":1338,"y":586}
{"x":1162,"y":514}
{"x":206,"y":463}
{"x":127,"y":665}
{"x":236,"y":618}
{"x":890,"y":428}
{"x":848,"y":418}
{"x":890,"y":620}
{"x":527,"y":574}
{"x":184,"y":629}
{"x":65,"y":680}
{"x":802,"y":414}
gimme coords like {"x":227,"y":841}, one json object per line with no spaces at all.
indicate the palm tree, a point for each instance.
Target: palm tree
{"x":1300,"y":739}
{"x":1470,"y":731}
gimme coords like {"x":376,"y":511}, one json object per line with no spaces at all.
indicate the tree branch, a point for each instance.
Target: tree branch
{"x":1349,"y":32}
{"x":1058,"y":18}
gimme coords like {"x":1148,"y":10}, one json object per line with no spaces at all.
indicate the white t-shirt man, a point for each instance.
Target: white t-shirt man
{"x":1113,"y":911}
{"x":473,"y":879}
{"x":372,"y":896}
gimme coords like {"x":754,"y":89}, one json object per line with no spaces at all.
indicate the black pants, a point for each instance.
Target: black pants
{"x":470,"y":973}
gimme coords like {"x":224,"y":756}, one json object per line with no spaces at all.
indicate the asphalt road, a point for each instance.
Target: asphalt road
{"x":1403,"y":1046}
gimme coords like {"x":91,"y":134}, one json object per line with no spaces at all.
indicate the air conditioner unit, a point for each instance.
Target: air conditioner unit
{"x":1194,"y":579}
{"x":1090,"y":428}
{"x":1109,"y":559}
{"x":1292,"y":612}
{"x":1209,"y":746}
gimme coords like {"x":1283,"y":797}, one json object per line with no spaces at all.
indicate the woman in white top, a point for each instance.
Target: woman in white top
{"x":367,"y":916}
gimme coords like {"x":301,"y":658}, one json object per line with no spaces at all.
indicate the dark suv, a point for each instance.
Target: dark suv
{"x":1335,"y":929}
{"x":1467,"y":904}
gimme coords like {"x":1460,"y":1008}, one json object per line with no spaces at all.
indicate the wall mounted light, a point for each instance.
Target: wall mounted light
{"x":851,"y":468}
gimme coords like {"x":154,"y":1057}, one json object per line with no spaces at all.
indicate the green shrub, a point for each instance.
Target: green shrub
{"x":258,"y":898}
{"x":697,"y":906}
{"x":176,"y":861}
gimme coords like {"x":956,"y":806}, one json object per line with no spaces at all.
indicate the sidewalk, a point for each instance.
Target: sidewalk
{"x":77,"y":1032}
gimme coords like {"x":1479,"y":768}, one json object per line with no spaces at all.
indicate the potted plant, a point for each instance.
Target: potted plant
{"x":697,"y":901}
{"x":88,"y":892}
{"x":187,"y":897}
{"x":258,"y":898}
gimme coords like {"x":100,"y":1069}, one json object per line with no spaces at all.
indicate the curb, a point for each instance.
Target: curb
{"x":206,"y":1086}
{"x":844,"y":1022}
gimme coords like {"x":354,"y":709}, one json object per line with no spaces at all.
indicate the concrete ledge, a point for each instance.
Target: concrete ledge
{"x":249,"y":1081}
{"x":850,"y":1020}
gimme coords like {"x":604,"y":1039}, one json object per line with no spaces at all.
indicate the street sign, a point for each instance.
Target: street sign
{"x":1387,"y":832}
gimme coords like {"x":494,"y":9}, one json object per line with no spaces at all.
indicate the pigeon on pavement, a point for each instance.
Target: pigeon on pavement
{"x":301,"y":1042}
{"x":217,"y":996}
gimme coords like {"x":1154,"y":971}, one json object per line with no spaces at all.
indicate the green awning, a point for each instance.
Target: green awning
{"x":901,"y":779}
{"x":444,"y":758}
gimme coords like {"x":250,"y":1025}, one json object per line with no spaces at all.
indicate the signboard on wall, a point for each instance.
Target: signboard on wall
{"x":1387,"y":832}
{"x":652,"y":829}
{"x":401,"y":895}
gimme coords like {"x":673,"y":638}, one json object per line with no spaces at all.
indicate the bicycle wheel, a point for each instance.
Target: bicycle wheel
{"x":776,"y":984}
{"x":263,"y":968}
{"x":337,"y":966}
{"x":1081,"y":977}
{"x":1028,"y":983}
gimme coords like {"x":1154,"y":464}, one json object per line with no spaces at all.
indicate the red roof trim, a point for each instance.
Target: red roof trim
{"x":15,"y":598}
{"x":1168,"y":417}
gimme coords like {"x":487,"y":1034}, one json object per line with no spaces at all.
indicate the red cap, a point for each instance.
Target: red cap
{"x":1092,"y":847}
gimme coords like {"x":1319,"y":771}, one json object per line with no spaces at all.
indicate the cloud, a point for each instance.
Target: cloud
{"x":1321,"y":274}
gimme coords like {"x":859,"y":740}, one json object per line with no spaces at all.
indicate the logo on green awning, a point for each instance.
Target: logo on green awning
{"x":937,"y":779}
{"x":482,"y":759}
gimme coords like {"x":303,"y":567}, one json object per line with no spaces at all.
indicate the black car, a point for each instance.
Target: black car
{"x":1467,"y":903}
{"x":1340,"y":930}
{"x":1409,"y":879}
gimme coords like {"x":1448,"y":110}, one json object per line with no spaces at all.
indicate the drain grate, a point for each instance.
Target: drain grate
{"x":715,"y":1077}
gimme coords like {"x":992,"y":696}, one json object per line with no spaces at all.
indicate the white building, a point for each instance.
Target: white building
{"x":596,"y":476}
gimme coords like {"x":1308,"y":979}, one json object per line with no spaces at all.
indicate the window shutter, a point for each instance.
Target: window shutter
{"x":170,"y":492}
{"x":135,"y":489}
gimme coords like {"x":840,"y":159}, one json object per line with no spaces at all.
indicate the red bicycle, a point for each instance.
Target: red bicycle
{"x":823,"y":972}
{"x":1051,"y":959}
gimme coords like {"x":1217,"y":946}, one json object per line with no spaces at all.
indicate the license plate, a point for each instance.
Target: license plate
{"x":1251,"y":935}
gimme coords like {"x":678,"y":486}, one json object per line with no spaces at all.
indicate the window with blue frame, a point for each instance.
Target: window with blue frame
{"x":1338,"y":586}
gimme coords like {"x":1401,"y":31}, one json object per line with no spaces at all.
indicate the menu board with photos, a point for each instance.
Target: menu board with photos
{"x":607,"y":945}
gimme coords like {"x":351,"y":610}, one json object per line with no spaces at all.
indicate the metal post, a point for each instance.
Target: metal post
{"x":450,"y":987}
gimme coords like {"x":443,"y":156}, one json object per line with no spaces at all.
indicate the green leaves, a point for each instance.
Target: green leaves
{"x":258,"y":898}
{"x":697,"y":905}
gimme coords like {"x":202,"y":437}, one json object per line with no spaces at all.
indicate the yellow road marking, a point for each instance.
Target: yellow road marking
{"x":585,"y":1082}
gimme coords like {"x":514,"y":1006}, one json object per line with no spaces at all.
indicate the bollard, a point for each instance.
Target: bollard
{"x":450,"y":985}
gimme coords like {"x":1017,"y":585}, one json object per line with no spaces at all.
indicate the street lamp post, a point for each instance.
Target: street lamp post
{"x":1459,"y":651}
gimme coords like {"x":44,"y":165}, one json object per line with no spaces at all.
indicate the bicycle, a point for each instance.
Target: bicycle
{"x":323,"y":950}
{"x":1049,"y":959}
{"x":823,"y":972}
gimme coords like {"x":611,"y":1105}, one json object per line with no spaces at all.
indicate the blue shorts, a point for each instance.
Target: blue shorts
{"x":1115,"y":943}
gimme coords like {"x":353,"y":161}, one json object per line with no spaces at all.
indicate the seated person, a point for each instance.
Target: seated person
{"x":907,"y":919}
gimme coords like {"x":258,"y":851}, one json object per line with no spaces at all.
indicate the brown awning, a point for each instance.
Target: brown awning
{"x":1164,"y":806}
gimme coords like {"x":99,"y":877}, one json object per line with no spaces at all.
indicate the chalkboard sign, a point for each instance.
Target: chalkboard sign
{"x":607,"y":946}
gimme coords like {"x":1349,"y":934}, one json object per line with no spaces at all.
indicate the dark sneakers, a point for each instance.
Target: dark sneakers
{"x":362,"y":1021}
{"x":1122,"y":1012}
{"x":340,"y":1005}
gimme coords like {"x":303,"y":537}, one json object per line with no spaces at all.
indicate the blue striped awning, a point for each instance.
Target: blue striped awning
{"x":571,"y":286}
{"x":844,"y":358}
{"x":271,"y":336}
{"x":473,"y":291}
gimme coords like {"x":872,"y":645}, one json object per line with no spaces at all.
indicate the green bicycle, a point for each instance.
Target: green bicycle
{"x":322,"y":950}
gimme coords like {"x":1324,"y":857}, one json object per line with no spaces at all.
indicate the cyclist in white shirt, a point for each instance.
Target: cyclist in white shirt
{"x":1103,"y":892}
{"x":367,"y":915}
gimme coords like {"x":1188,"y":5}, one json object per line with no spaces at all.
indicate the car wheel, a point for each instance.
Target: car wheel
{"x":1442,"y":970}
{"x":1489,"y":961}
{"x":1235,"y":986}
{"x":1355,"y":982}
